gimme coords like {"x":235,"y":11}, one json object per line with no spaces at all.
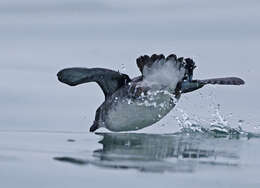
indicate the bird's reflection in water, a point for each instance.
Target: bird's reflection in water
{"x":159,"y":153}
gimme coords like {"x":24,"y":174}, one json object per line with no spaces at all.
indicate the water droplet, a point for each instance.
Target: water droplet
{"x":122,"y":68}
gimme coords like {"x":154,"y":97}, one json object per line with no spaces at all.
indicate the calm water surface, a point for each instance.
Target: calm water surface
{"x":47,"y":159}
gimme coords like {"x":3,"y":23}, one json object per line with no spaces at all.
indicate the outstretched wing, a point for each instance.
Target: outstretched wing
{"x":223,"y":81}
{"x":188,"y":86}
{"x":146,"y":63}
{"x":108,"y":80}
{"x":161,"y":71}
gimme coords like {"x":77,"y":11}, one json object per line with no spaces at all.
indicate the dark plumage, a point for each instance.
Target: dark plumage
{"x":132,"y":104}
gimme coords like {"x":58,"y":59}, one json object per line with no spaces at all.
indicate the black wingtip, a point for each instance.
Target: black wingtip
{"x":242,"y":82}
{"x":65,"y":77}
{"x":237,"y":81}
{"x":59,"y":75}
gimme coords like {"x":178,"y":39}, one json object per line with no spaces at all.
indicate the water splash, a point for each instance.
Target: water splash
{"x":187,"y":123}
{"x":219,"y":119}
{"x":219,"y":126}
{"x":123,"y":68}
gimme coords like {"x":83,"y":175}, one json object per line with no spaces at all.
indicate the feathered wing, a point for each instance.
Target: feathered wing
{"x":197,"y":84}
{"x":108,"y":80}
{"x":223,"y":81}
{"x":172,"y":70}
{"x":165,"y":71}
{"x":146,"y":62}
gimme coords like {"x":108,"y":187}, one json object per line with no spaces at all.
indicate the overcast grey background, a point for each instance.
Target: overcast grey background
{"x":38,"y":38}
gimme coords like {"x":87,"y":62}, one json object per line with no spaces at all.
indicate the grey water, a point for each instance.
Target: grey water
{"x":211,"y":138}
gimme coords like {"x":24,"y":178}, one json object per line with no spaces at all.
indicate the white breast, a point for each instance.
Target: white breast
{"x":134,"y":114}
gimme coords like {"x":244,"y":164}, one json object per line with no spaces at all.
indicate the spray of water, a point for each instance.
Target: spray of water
{"x":218,"y":126}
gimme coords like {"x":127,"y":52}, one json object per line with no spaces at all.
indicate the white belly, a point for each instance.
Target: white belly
{"x":134,"y":114}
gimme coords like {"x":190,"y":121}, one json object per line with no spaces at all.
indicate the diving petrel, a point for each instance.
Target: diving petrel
{"x":132,"y":104}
